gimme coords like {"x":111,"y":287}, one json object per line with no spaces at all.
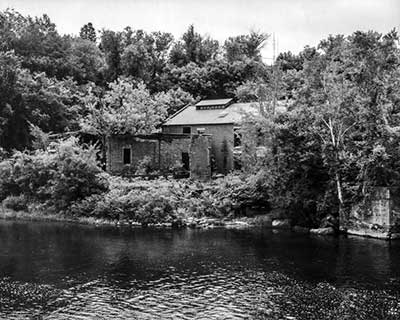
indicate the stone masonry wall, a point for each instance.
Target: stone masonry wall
{"x":139,"y":149}
{"x":200,"y":168}
{"x":165,"y":153}
{"x":221,"y":143}
{"x":171,"y":152}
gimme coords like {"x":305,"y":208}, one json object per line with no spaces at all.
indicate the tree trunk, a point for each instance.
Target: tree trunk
{"x":104,"y":152}
{"x":339,"y":189}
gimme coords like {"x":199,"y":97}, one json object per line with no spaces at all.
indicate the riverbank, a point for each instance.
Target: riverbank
{"x":66,"y":183}
{"x":258,"y":221}
{"x":195,"y":223}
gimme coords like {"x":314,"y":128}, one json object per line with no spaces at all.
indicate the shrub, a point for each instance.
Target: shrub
{"x":144,"y":166}
{"x":66,"y":177}
{"x":163,"y":200}
{"x":17,"y":203}
{"x":8,"y":186}
{"x":58,"y":176}
{"x":3,"y":154}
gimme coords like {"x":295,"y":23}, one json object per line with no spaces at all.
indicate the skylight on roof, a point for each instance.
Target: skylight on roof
{"x":213,"y":104}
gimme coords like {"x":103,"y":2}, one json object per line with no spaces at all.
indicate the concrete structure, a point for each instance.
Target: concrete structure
{"x":378,"y":216}
{"x":160,"y":152}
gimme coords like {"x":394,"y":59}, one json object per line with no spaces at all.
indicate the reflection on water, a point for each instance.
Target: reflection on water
{"x":64,"y":271}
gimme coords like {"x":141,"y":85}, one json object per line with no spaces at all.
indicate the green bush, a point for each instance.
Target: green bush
{"x":17,"y":203}
{"x":168,"y":201}
{"x":8,"y":186}
{"x":65,"y":177}
{"x":60,"y":175}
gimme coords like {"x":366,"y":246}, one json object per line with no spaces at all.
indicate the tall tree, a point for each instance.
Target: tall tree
{"x":25,"y":98}
{"x":245,"y":46}
{"x":110,"y":45}
{"x":124,"y":109}
{"x":88,"y":32}
{"x":289,"y":61}
{"x":86,"y":61}
{"x":193,"y":48}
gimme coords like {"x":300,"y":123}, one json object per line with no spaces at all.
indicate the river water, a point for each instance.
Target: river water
{"x":66,"y":271}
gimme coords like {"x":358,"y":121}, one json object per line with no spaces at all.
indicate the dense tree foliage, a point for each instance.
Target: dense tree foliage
{"x":44,"y":75}
{"x":88,"y":32}
{"x":340,"y":133}
{"x":124,"y":108}
{"x":85,"y":61}
{"x":26,"y":98}
{"x":62,"y":173}
{"x":245,"y":46}
{"x":193,"y":48}
{"x":339,"y":136}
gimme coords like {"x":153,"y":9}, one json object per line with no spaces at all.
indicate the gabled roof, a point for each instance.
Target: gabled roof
{"x":233,"y":113}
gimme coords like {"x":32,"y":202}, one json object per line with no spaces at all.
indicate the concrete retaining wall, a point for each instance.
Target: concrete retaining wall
{"x":378,"y":216}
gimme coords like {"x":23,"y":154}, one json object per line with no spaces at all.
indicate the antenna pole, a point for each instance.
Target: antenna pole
{"x":273,"y":48}
{"x":274,"y":75}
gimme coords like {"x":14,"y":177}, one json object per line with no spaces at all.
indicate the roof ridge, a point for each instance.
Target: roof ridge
{"x":177,"y":112}
{"x":190,"y":115}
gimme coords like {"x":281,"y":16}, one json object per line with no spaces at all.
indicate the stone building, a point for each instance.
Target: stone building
{"x":218,"y":118}
{"x":160,"y":152}
{"x":203,"y":137}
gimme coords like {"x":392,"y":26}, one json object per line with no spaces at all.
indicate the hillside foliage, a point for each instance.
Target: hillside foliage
{"x":339,"y":136}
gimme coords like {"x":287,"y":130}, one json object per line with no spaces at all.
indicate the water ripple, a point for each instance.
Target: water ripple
{"x":95,"y":274}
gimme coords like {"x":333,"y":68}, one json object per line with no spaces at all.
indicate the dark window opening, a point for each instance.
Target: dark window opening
{"x":237,"y":164}
{"x":187,"y":130}
{"x":225,"y":164}
{"x":237,"y":137}
{"x":185,"y":161}
{"x":127,"y":155}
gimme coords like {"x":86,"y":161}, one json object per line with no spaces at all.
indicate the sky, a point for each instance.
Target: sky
{"x":295,"y":23}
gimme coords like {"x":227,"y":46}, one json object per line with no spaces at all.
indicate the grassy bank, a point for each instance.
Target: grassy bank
{"x":9,"y":214}
{"x":191,"y":222}
{"x":138,"y":202}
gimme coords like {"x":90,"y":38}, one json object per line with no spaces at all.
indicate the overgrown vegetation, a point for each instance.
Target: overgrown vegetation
{"x":340,"y":134}
{"x":111,"y":79}
{"x":338,"y":137}
{"x":65,"y":178}
{"x":56,"y":177}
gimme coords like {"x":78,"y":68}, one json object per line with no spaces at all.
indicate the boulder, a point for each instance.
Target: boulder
{"x":323,"y":231}
{"x":237,"y":224}
{"x":277,"y":213}
{"x":329,"y":221}
{"x":192,"y":224}
{"x":176,"y":224}
{"x":302,"y":230}
{"x":262,"y":221}
{"x":281,"y":223}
